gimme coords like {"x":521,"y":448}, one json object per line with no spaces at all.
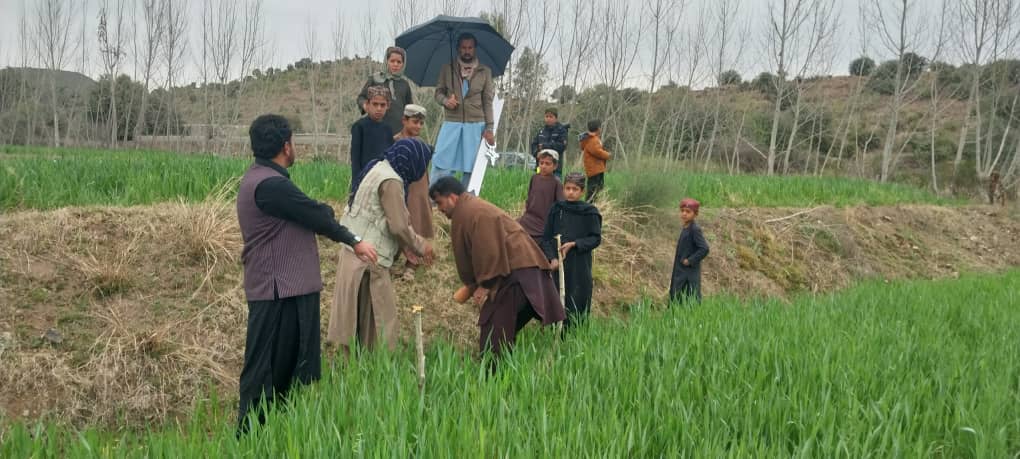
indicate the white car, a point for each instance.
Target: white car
{"x":515,"y":159}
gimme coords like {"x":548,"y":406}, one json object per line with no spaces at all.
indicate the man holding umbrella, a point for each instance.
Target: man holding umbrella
{"x":465,"y":89}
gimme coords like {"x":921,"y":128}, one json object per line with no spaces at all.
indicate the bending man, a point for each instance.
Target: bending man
{"x":501,"y":263}
{"x":365,"y":304}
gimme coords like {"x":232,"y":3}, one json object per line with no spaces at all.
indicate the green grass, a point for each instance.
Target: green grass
{"x":46,"y":178}
{"x":907,"y":369}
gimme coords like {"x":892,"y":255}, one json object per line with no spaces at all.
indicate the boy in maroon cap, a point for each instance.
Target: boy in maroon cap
{"x":691,"y":248}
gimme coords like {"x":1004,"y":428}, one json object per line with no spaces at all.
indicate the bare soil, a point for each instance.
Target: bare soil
{"x":128,"y":316}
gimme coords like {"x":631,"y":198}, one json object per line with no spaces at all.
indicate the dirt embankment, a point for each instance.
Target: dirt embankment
{"x":113,"y":314}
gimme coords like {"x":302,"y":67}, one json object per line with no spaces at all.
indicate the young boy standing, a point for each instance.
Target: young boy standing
{"x":691,"y":248}
{"x":419,"y":205}
{"x":370,"y":136}
{"x":543,"y":191}
{"x":595,"y":158}
{"x":553,"y":136}
{"x":579,"y":225}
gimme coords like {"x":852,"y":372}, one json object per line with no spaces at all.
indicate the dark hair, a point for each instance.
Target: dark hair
{"x":466,"y":36}
{"x":594,"y":125}
{"x":576,"y":178}
{"x":552,"y":111}
{"x":268,"y":133}
{"x":446,"y":186}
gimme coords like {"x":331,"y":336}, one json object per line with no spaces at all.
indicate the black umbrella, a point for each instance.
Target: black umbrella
{"x":433,"y":44}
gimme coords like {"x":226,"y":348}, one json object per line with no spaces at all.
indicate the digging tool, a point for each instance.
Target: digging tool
{"x":419,"y":341}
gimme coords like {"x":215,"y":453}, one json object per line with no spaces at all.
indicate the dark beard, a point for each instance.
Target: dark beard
{"x":472,"y":58}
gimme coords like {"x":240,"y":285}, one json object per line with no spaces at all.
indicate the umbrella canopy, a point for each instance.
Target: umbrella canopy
{"x":433,"y":44}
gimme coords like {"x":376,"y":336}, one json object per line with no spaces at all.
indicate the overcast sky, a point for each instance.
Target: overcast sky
{"x":370,"y":28}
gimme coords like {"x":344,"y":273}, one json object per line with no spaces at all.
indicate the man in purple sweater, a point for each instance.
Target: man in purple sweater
{"x":282,"y":280}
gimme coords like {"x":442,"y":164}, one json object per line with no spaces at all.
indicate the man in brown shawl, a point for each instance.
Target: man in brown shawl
{"x":501,"y":263}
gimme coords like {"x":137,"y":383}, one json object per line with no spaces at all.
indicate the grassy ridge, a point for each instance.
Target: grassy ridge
{"x":46,"y":178}
{"x":882,"y":370}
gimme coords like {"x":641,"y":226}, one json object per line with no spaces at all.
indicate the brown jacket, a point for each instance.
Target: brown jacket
{"x":594,"y":155}
{"x":488,"y":244}
{"x":477,"y":106}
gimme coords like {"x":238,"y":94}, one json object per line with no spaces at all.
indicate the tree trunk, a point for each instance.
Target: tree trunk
{"x":56,"y":120}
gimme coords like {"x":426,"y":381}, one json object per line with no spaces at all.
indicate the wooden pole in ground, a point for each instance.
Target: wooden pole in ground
{"x":563,"y":283}
{"x":419,"y":341}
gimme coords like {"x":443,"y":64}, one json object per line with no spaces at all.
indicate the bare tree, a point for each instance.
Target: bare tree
{"x":313,"y":76}
{"x":407,"y":13}
{"x":618,"y":52}
{"x":52,"y":43}
{"x":111,"y":49}
{"x":251,"y":42}
{"x":340,"y":47}
{"x":726,"y":29}
{"x":934,"y":97}
{"x":973,"y":34}
{"x":540,"y":37}
{"x":797,"y":30}
{"x":852,"y":115}
{"x":455,"y":7}
{"x":147,"y":52}
{"x":818,"y":56}
{"x":575,"y":46}
{"x":664,"y":15}
{"x":900,"y":27}
{"x":688,"y":68}
{"x":369,"y":35}
{"x":1002,"y":90}
{"x":174,"y":46}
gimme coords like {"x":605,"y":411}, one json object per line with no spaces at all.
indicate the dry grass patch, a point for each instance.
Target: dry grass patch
{"x":168,"y":321}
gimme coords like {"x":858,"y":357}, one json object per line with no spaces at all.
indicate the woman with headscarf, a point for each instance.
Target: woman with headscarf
{"x":393,"y":79}
{"x":364,"y":301}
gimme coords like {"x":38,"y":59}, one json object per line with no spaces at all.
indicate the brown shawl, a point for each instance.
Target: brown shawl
{"x":488,"y":244}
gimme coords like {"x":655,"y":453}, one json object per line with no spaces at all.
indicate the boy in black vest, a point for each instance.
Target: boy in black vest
{"x":691,"y":248}
{"x":282,"y":280}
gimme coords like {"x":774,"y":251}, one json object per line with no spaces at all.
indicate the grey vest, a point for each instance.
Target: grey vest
{"x":280,"y":257}
{"x":365,"y":215}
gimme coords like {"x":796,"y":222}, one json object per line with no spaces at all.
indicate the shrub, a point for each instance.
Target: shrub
{"x":862,"y":66}
{"x":730,"y":77}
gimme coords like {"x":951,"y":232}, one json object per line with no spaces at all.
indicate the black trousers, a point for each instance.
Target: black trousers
{"x":686,"y":290}
{"x":282,"y":346}
{"x":595,"y":185}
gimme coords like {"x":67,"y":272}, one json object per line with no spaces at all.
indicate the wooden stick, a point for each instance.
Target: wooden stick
{"x":792,"y":215}
{"x":419,"y":340}
{"x":563,"y":284}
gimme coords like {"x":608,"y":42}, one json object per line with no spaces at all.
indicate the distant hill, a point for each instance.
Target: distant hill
{"x":66,"y":80}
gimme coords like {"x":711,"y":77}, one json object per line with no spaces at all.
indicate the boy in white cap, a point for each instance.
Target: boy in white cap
{"x":544,"y":190}
{"x":418,"y":203}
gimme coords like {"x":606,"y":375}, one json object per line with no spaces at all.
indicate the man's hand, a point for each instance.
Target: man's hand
{"x":412,"y":257}
{"x":565,"y":248}
{"x":480,"y":296}
{"x":554,"y":264}
{"x":366,"y":252}
{"x":428,"y":254}
{"x":686,"y":262}
{"x":451,"y":102}
{"x":489,"y":137}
